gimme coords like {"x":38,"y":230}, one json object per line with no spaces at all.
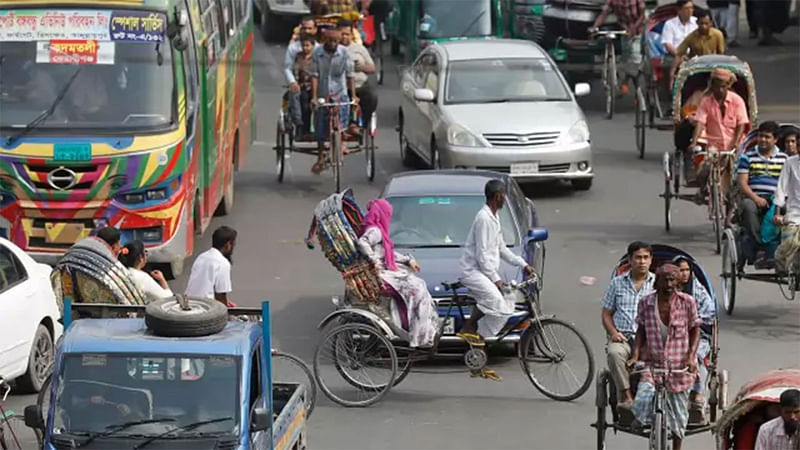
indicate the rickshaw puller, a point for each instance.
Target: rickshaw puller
{"x":480,"y":265}
{"x":723,"y":116}
{"x":667,"y":336}
{"x":631,"y":15}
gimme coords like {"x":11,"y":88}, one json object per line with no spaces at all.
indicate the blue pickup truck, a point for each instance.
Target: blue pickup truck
{"x":182,"y":377}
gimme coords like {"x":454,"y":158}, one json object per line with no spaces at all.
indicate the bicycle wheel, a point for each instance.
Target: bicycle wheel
{"x":14,"y":434}
{"x":345,"y":354}
{"x":657,"y":433}
{"x":611,"y":81}
{"x":369,"y":153}
{"x":336,"y":154}
{"x":729,"y":263}
{"x":553,"y":345}
{"x":640,"y":105}
{"x":43,"y":401}
{"x":716,"y":209}
{"x":285,"y":369}
{"x":280,"y":153}
{"x":668,"y":173}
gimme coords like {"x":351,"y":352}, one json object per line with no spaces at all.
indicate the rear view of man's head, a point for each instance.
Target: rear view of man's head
{"x":111,"y":236}
{"x":224,"y":240}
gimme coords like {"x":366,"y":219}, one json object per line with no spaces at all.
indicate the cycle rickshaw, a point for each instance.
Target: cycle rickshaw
{"x":738,"y":426}
{"x":739,"y":250}
{"x":368,"y":330}
{"x":679,"y":167}
{"x":717,"y":379}
{"x":651,"y":100}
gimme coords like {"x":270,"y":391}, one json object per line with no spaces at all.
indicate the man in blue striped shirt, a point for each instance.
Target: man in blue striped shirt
{"x":758,"y":172}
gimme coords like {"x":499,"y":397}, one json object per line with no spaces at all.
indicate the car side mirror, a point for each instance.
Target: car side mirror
{"x":33,"y":417}
{"x":260,"y":419}
{"x":537,"y":234}
{"x":423,"y":95}
{"x":582,"y":89}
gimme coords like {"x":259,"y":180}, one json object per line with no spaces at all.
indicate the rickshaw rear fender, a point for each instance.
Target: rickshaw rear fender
{"x":372,"y":317}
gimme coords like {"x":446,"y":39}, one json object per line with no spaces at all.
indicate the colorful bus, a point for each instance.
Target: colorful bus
{"x":129,"y":113}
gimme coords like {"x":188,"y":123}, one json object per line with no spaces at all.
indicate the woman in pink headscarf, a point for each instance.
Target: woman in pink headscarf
{"x":419,"y":311}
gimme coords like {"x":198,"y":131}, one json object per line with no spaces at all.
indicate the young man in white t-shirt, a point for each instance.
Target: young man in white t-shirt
{"x":211,"y":271}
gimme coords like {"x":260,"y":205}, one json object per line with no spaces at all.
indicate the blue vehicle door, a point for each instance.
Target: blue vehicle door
{"x":258,"y":382}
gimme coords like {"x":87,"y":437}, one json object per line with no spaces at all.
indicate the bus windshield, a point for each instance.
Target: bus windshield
{"x":88,"y":83}
{"x":440,"y":19}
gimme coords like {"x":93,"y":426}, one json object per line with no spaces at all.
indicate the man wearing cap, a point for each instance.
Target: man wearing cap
{"x":723,"y":116}
{"x":667,"y":337}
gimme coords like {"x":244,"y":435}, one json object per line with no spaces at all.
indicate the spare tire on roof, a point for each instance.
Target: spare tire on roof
{"x":166,"y":317}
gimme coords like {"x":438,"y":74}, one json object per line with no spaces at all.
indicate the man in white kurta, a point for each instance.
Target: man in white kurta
{"x":480,"y":266}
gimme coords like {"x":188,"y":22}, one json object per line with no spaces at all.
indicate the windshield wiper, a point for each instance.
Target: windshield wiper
{"x":471,"y":24}
{"x":113,"y":429}
{"x":47,"y":112}
{"x":186,"y":427}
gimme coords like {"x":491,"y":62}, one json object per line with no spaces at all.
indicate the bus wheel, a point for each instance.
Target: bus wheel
{"x":226,"y":205}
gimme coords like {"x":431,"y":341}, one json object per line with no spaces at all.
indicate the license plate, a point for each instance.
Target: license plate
{"x":449,"y":325}
{"x":524,"y":168}
{"x":63,"y":233}
{"x":72,"y":152}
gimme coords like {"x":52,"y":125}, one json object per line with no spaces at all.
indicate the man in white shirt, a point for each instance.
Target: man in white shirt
{"x":211,"y":271}
{"x":677,"y":28}
{"x":787,"y":196}
{"x":480,"y":265}
{"x":782,"y":432}
{"x":363,"y":67}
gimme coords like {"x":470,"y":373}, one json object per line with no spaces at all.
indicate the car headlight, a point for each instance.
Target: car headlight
{"x":578,"y":133}
{"x":460,"y":136}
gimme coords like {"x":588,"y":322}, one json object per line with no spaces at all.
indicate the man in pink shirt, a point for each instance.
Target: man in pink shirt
{"x":723,"y":116}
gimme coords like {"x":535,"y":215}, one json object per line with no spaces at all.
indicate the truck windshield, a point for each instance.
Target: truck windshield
{"x":107,"y":84}
{"x":441,"y":19}
{"x":99,"y":391}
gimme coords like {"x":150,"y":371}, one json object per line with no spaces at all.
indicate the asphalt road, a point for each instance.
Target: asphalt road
{"x":588,"y":233}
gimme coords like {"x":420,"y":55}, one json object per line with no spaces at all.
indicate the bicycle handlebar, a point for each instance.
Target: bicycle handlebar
{"x":655,"y":370}
{"x":611,"y":34}
{"x":517,"y":285}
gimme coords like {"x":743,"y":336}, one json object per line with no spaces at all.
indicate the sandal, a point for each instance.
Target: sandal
{"x":317,"y":167}
{"x":489,"y":374}
{"x":474,"y":340}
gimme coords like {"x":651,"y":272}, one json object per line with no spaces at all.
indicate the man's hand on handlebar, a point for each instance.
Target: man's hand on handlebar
{"x":294,"y":87}
{"x":529,"y":271}
{"x":691,"y":364}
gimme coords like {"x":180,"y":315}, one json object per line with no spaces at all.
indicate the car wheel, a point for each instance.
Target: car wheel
{"x":436,"y":158}
{"x":40,"y":361}
{"x":583,"y":184}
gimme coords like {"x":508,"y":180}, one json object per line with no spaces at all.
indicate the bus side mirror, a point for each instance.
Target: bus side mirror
{"x":177,"y":33}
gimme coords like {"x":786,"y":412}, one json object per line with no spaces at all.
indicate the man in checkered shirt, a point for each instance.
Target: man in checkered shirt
{"x":630,"y":17}
{"x":667,"y":337}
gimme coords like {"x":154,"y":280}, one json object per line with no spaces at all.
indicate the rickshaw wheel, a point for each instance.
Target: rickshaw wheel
{"x":729,"y":260}
{"x":713,"y":395}
{"x":336,"y":151}
{"x":601,"y":401}
{"x":668,"y":174}
{"x":280,"y":153}
{"x":610,"y":83}
{"x":640,"y":126}
{"x":716,"y":211}
{"x":346,"y":347}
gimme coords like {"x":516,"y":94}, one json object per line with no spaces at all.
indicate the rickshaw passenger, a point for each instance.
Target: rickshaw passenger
{"x":723,"y":116}
{"x":667,"y":336}
{"x":783,"y":432}
{"x":300,"y":102}
{"x":295,"y":47}
{"x":788,"y":143}
{"x":705,"y":309}
{"x":758,"y":171}
{"x":363,"y":66}
{"x":398,"y":271}
{"x":705,"y":40}
{"x":677,"y":28}
{"x":620,"y":303}
{"x":787,"y":196}
{"x":631,"y":15}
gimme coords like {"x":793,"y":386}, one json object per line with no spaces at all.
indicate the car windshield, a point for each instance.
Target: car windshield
{"x":504,"y":80}
{"x":98,"y":391}
{"x":440,"y":19}
{"x":432,"y":221}
{"x":125,"y":83}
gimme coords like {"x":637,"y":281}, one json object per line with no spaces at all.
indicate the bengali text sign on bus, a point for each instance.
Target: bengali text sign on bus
{"x":119,"y":25}
{"x":138,"y":26}
{"x":75,"y":52}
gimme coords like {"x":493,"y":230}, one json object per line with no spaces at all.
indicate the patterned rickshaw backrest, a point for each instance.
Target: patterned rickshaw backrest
{"x":695,"y":74}
{"x":337,"y":225}
{"x":663,"y":254}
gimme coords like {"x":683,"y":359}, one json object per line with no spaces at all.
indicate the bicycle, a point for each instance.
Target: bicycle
{"x":364,"y":340}
{"x":12,"y":426}
{"x":610,"y":74}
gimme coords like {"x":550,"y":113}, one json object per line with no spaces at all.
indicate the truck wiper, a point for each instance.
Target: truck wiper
{"x":47,"y":112}
{"x":113,"y":429}
{"x":187,"y":427}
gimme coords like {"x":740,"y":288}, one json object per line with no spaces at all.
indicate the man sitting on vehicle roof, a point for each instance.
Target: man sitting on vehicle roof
{"x":723,"y":117}
{"x":787,"y":196}
{"x":758,"y":171}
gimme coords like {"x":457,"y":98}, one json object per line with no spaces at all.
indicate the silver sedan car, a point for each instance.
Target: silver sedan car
{"x":495,"y":104}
